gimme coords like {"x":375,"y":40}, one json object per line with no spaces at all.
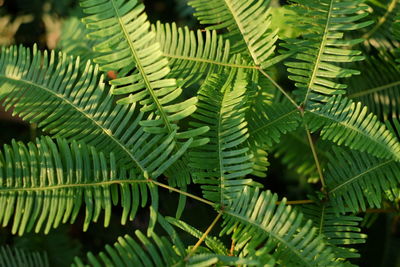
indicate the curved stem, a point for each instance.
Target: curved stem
{"x":203,"y":237}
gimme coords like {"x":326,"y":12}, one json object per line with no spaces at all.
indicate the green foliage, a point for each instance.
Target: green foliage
{"x":209,"y":106}
{"x":17,"y":257}
{"x":325,"y":23}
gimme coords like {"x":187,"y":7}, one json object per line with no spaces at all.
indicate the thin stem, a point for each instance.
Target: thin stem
{"x":315,"y":155}
{"x":183,"y":192}
{"x":203,"y":237}
{"x":297,"y":202}
{"x":232,"y":249}
{"x":209,"y":61}
{"x":374,"y":90}
{"x":279,"y":88}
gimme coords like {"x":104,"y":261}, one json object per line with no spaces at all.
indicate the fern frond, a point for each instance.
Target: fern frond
{"x":19,"y":258}
{"x":256,"y":220}
{"x":259,"y":159}
{"x":340,"y":231}
{"x":212,"y":242}
{"x":224,"y":161}
{"x":379,"y":34}
{"x":323,"y":45}
{"x":378,"y":86}
{"x":74,"y":104}
{"x":269,"y":121}
{"x":46,"y":184}
{"x":158,"y":251}
{"x":130,"y":48}
{"x":155,"y":251}
{"x":248,"y":23}
{"x":347,"y":123}
{"x":74,"y":42}
{"x":295,"y":144}
{"x":356,"y":181}
{"x":192,"y":55}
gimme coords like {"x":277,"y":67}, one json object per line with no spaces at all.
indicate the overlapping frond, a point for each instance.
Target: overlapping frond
{"x":248,"y":23}
{"x":379,"y":34}
{"x":270,"y":121}
{"x":154,"y":251}
{"x":73,"y":103}
{"x":378,"y":86}
{"x":295,"y":144}
{"x":223,"y":163}
{"x":130,"y":48}
{"x":159,"y":251}
{"x":340,"y":231}
{"x":47,"y":183}
{"x":356,"y":181}
{"x":254,"y":219}
{"x":212,"y":242}
{"x":324,"y":23}
{"x":192,"y":55}
{"x":347,"y":123}
{"x":73,"y":40}
{"x":19,"y":258}
{"x":259,"y":159}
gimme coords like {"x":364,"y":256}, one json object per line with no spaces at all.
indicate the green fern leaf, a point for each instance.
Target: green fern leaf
{"x":345,"y":122}
{"x":74,"y":104}
{"x":378,"y":86}
{"x":323,"y":45}
{"x":296,"y":143}
{"x":73,"y":40}
{"x":340,"y":231}
{"x":155,"y":251}
{"x":212,"y":242}
{"x":19,"y":258}
{"x":255,"y":220}
{"x":379,"y":34}
{"x":259,"y":159}
{"x":158,"y":251}
{"x":248,"y":23}
{"x":191,"y":55}
{"x":357,"y":180}
{"x":129,"y":47}
{"x":269,"y":121}
{"x":46,"y":184}
{"x":224,"y":161}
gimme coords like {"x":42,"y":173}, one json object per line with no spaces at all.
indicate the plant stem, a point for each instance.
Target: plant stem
{"x":182,"y":192}
{"x":279,"y":88}
{"x":315,"y":155}
{"x":232,"y":249}
{"x":297,"y":202}
{"x":193,"y":250}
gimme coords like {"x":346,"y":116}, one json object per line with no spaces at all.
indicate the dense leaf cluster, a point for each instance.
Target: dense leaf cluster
{"x":203,"y":107}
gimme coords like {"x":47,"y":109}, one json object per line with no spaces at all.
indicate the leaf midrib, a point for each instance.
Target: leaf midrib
{"x":242,"y":30}
{"x":274,"y":121}
{"x":141,"y":70}
{"x":63,"y":186}
{"x":346,"y":125}
{"x":210,"y":61}
{"x":374,"y":90}
{"x":358,"y":176}
{"x":81,"y":111}
{"x":320,"y":52}
{"x":270,"y":233}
